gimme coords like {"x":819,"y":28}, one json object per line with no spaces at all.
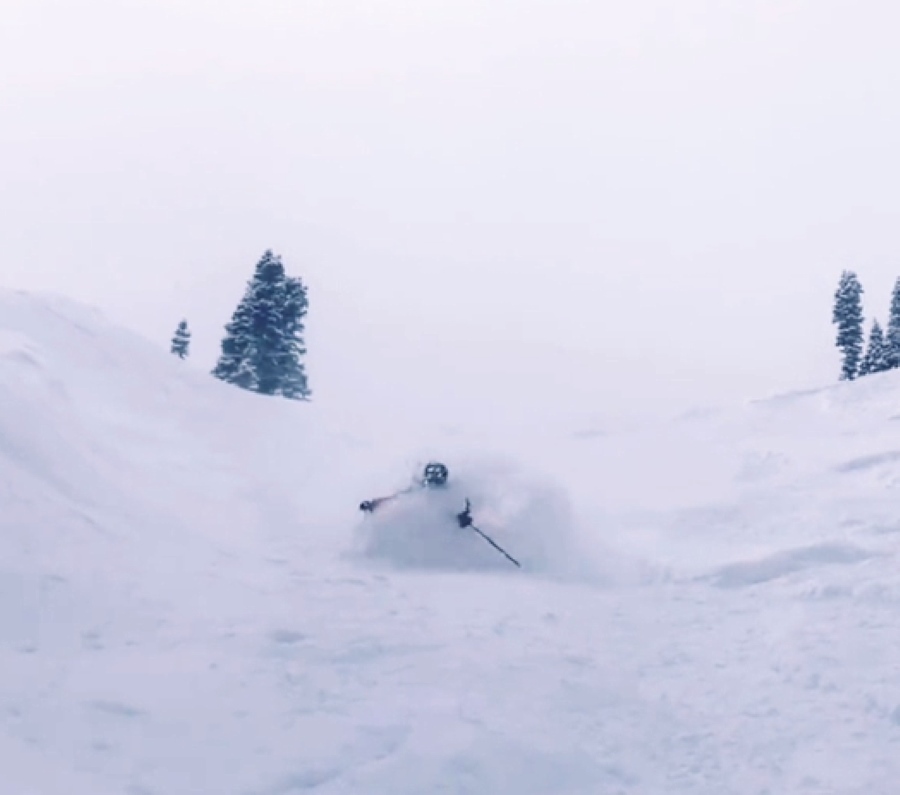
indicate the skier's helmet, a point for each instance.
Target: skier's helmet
{"x":435,"y":474}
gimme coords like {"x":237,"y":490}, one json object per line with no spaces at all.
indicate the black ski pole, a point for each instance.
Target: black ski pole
{"x":495,"y":545}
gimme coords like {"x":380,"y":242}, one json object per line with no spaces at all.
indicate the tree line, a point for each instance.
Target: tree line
{"x":882,"y":350}
{"x":263,"y":347}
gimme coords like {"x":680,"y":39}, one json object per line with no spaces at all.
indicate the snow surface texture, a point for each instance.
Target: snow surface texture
{"x":191,"y":602}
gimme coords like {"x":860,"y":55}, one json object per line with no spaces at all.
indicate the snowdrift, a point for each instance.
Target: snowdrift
{"x":170,"y":547}
{"x":191,"y":602}
{"x":798,"y":490}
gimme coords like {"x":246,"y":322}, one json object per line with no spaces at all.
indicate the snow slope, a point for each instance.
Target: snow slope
{"x":190,"y":602}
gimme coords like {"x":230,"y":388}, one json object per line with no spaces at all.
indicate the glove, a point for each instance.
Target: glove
{"x":464,"y":518}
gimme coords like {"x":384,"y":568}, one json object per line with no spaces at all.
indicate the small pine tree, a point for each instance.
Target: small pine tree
{"x":263,"y":344}
{"x":181,"y":342}
{"x":893,"y":331}
{"x":848,"y":316}
{"x":876,"y":358}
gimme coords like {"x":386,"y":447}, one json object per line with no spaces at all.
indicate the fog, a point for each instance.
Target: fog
{"x":601,"y":208}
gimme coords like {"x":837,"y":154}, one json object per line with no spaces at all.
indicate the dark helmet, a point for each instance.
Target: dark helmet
{"x":435,"y":474}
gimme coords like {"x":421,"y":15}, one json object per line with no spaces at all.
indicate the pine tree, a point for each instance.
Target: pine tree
{"x":848,"y":316}
{"x":181,"y":342}
{"x":263,"y":344}
{"x":893,"y":331}
{"x":876,"y":358}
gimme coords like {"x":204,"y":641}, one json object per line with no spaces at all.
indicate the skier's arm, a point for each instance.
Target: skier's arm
{"x":370,"y":505}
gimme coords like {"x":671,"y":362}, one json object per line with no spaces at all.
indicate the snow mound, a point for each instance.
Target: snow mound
{"x":786,"y":563}
{"x":178,"y":613}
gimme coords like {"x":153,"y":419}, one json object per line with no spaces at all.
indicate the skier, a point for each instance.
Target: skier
{"x":435,"y":476}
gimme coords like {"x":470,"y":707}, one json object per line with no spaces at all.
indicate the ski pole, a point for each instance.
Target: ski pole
{"x":495,"y":545}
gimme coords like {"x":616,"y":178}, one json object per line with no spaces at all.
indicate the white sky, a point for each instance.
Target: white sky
{"x":649,"y":200}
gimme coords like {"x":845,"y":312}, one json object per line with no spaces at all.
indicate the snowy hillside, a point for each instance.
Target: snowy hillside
{"x":191,"y":603}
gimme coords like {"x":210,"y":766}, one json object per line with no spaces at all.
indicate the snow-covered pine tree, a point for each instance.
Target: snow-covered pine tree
{"x":294,"y":383}
{"x":263,"y":344}
{"x":892,"y":343}
{"x":876,"y":358}
{"x":848,"y":316}
{"x":181,"y":342}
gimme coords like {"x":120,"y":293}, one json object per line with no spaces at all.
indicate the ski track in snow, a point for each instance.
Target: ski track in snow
{"x":191,"y":603}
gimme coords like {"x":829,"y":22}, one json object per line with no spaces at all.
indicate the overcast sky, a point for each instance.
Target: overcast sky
{"x":651,"y":200}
